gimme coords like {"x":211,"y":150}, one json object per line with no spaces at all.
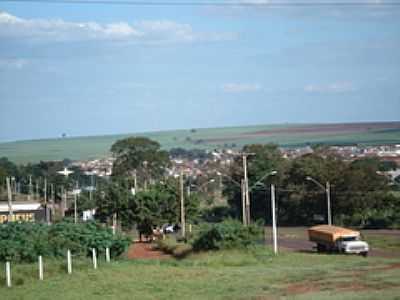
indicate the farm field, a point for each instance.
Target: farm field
{"x":234,"y":274}
{"x":288,"y":135}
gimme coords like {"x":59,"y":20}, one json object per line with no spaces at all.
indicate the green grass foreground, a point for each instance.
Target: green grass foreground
{"x":251,"y":274}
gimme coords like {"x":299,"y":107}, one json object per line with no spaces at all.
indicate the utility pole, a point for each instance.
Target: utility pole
{"x":246,"y":187}
{"x":328,"y":199}
{"x":75,"y":204}
{"x":114,"y":226}
{"x":274,"y":231}
{"x":91,"y":187}
{"x":9,"y":193}
{"x":182,"y":204}
{"x":135,"y":181}
{"x":244,"y":219}
{"x":327,"y":189}
{"x":45,"y":201}
{"x":37,"y":191}
{"x":63,"y":201}
{"x":30,"y":188}
{"x":53,"y":198}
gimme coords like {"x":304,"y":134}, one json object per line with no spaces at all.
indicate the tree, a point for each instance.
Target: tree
{"x":115,"y":197}
{"x":140,"y":155}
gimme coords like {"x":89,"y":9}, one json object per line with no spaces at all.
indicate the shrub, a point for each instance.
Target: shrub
{"x":25,"y":241}
{"x":174,"y":248}
{"x":228,"y":234}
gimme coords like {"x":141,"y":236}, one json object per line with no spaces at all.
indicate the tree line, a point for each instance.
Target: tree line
{"x":141,"y":195}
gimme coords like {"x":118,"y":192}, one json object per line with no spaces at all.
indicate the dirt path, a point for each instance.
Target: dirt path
{"x":145,"y":251}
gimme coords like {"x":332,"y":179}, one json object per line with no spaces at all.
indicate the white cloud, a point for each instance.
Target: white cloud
{"x":12,"y":63}
{"x":240,"y":87}
{"x":337,"y":87}
{"x":153,"y":31}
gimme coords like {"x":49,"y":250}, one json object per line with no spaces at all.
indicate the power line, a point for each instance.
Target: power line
{"x":216,"y":3}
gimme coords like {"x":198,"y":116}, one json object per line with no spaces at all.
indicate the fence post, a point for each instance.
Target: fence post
{"x":94,"y":258}
{"x":107,"y":254}
{"x":40,"y":268}
{"x":69,"y":262}
{"x":8,"y":274}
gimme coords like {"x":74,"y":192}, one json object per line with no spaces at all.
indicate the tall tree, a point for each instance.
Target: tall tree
{"x":140,"y":155}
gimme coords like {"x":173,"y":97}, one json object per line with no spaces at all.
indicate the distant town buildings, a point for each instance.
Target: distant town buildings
{"x":220,"y":159}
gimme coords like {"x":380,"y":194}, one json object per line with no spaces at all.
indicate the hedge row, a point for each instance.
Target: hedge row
{"x":23,"y":242}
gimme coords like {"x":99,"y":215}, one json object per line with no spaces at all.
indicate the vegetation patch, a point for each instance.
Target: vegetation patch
{"x":24,"y":242}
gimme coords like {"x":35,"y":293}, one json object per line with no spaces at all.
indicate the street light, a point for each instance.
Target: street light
{"x":271,"y":173}
{"x":327,"y":190}
{"x":243,"y":192}
{"x":199,"y":187}
{"x":66,"y":173}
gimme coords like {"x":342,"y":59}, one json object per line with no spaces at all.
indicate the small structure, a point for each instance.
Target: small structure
{"x":22,"y":212}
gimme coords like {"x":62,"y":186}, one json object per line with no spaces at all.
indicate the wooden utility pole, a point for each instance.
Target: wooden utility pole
{"x":53,"y":198}
{"x":182,"y":204}
{"x":45,"y":201}
{"x":63,"y":202}
{"x":37,"y":191}
{"x":246,"y":187}
{"x":244,"y":219}
{"x":30,"y":188}
{"x":75,"y":203}
{"x":9,"y":193}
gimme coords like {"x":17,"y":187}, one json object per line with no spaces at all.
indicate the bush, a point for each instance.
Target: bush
{"x":24,"y":242}
{"x":228,"y":234}
{"x":174,"y":248}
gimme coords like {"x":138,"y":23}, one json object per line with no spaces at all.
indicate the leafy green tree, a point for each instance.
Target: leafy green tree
{"x":115,"y":197}
{"x":140,"y":155}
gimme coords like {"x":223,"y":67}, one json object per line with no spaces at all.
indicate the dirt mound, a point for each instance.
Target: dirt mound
{"x":140,"y":250}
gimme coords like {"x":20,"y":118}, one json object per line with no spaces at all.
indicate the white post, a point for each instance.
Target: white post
{"x":8,"y":274}
{"x":328,"y":199}
{"x":69,"y":262}
{"x":274,"y":233}
{"x":182,"y":205}
{"x":107,"y":254}
{"x":190,"y":228}
{"x":40,"y":268}
{"x":94,"y":258}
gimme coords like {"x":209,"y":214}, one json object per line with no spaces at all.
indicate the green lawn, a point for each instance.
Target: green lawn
{"x":254,"y":274}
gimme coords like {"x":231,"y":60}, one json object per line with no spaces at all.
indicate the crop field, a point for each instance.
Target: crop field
{"x":233,"y":274}
{"x":287,"y":135}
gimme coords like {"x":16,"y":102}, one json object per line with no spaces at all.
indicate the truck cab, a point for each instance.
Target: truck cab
{"x":352,"y":245}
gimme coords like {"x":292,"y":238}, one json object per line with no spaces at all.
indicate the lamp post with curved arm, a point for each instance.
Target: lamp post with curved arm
{"x":243,"y":193}
{"x":327,"y":189}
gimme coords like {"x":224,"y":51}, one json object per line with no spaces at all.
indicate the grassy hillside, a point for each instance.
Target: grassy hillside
{"x":285,"y":135}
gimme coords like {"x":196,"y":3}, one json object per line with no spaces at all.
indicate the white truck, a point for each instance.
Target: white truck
{"x":337,"y":239}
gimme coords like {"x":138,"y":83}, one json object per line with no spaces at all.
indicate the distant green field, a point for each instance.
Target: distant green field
{"x":287,"y":135}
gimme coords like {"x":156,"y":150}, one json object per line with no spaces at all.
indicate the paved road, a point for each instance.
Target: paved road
{"x":298,"y":245}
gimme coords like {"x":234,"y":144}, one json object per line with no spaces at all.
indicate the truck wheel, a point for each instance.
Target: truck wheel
{"x":365,"y":254}
{"x":320,"y":248}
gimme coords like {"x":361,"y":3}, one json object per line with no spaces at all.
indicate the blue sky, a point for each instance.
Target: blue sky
{"x":104,"y":69}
